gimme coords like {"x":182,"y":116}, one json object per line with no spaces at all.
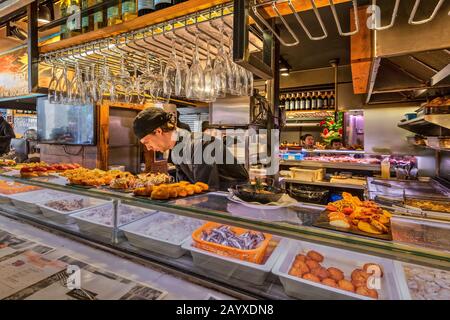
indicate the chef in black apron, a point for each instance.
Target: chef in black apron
{"x":157,"y":130}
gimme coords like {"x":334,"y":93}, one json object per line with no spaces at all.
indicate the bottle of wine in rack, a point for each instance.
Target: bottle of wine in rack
{"x":161,"y":4}
{"x":145,"y":7}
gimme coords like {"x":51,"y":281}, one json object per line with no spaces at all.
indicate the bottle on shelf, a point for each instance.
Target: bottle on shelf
{"x":129,"y":10}
{"x":178,"y":1}
{"x":325,"y":100}
{"x":319,"y":100}
{"x":114,"y":14}
{"x":161,"y":4}
{"x":98,"y":18}
{"x":308,"y":101}
{"x":297,"y":101}
{"x":71,"y":28}
{"x":85,"y":25}
{"x":292,"y":102}
{"x":286,"y":102}
{"x":313,"y":101}
{"x":303,"y":101}
{"x":145,"y":7}
{"x":332,"y":100}
{"x":282,"y":101}
{"x":63,"y":6}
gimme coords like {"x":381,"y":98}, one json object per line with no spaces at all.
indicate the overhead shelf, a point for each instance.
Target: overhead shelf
{"x":176,"y":11}
{"x":333,"y":165}
{"x":429,"y":125}
{"x":325,"y":184}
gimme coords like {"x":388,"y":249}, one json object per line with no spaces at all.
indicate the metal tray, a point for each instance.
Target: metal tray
{"x":323,"y":222}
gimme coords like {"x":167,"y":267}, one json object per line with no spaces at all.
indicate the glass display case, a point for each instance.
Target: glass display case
{"x":271,"y":253}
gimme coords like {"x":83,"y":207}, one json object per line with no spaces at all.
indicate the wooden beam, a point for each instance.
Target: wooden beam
{"x":159,"y":16}
{"x":103,"y":136}
{"x":299,"y":5}
{"x":361,"y":52}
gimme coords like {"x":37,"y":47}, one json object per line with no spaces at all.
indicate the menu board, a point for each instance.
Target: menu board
{"x":14,"y":73}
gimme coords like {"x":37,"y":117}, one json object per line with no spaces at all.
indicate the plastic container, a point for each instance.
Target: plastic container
{"x":308,"y":175}
{"x":29,"y":201}
{"x":98,"y":221}
{"x":63,"y":217}
{"x":226,"y":268}
{"x":255,"y":255}
{"x":410,"y":116}
{"x":136,"y":235}
{"x":421,"y":232}
{"x":346,"y":261}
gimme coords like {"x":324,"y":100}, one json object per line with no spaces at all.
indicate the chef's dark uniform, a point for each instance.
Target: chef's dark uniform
{"x":6,"y":134}
{"x":219,"y":176}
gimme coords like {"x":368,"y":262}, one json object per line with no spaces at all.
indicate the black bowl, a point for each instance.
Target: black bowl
{"x":249,"y":193}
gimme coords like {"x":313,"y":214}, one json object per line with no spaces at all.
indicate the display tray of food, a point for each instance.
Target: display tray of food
{"x":421,"y":232}
{"x":7,"y":162}
{"x":161,"y":232}
{"x":429,"y":204}
{"x":99,"y":222}
{"x":234,"y":253}
{"x":42,"y":169}
{"x":167,"y":191}
{"x":29,"y":202}
{"x":61,"y":209}
{"x":312,"y":271}
{"x":354,"y":216}
{"x":423,"y":283}
{"x":8,"y":188}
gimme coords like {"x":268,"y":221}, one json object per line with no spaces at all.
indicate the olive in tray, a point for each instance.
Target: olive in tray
{"x":258,"y":193}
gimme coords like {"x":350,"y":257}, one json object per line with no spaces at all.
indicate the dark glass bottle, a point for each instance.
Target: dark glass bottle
{"x":319,"y":100}
{"x":297,"y":101}
{"x":308,"y":102}
{"x":325,"y":100}
{"x":283,"y":101}
{"x":303,"y":102}
{"x":292,"y":102}
{"x":313,"y":101}
{"x":178,"y":1}
{"x":145,"y":6}
{"x":161,"y":4}
{"x":332,"y":100}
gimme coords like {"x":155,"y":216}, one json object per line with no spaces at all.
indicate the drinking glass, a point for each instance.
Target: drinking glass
{"x":196,"y":78}
{"x":77,"y":97}
{"x":170,"y":73}
{"x":64,"y":87}
{"x":209,"y":94}
{"x":122,"y":83}
{"x":181,"y":76}
{"x":52,"y":86}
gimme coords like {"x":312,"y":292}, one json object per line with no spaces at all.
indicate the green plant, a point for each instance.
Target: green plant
{"x":332,"y":129}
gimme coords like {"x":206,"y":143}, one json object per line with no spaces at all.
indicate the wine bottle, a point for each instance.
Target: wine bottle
{"x":313,"y":101}
{"x":303,"y":102}
{"x":178,"y":1}
{"x":332,"y":100}
{"x":114,"y":14}
{"x":297,"y":101}
{"x":85,"y":25}
{"x":98,"y":18}
{"x":325,"y":100}
{"x":161,"y":4}
{"x":129,"y":10}
{"x":292,"y":102}
{"x":145,"y":6}
{"x":283,"y":101}
{"x":308,"y":102}
{"x":319,"y":100}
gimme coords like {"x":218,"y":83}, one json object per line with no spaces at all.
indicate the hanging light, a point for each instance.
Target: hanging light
{"x":45,"y":14}
{"x":284,"y":67}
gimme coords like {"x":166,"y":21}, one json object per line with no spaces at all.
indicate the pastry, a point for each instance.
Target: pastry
{"x":312,"y":264}
{"x":160,"y":194}
{"x":346,"y":285}
{"x":295,"y":272}
{"x":359,"y":277}
{"x":311,"y":277}
{"x":329,"y":282}
{"x":335,"y":273}
{"x":303,"y":268}
{"x":198,"y":189}
{"x":314,"y":255}
{"x":321,"y":272}
{"x":367,"y":227}
{"x":373,"y":269}
{"x":202,"y":185}
{"x":340,"y":223}
{"x":300,"y":257}
{"x":364,"y":291}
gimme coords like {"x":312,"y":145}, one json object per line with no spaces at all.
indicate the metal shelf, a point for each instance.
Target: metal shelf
{"x":335,"y":165}
{"x":428,"y":125}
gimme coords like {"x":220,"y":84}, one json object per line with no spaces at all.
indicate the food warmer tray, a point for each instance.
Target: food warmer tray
{"x":29,"y":201}
{"x":323,"y":222}
{"x":103,"y":230}
{"x":63,"y":217}
{"x":347,"y":261}
{"x":226,"y":268}
{"x":171,"y":248}
{"x":405,"y":188}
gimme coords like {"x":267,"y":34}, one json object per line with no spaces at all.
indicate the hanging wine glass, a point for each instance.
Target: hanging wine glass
{"x":196,"y":78}
{"x":182,"y":74}
{"x":209,"y":94}
{"x":170,"y":73}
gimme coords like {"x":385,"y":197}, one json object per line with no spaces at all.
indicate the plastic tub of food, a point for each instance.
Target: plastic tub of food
{"x":161,"y":232}
{"x":61,"y":209}
{"x":226,"y":268}
{"x":308,"y":175}
{"x":422,"y":283}
{"x":421,"y":232}
{"x":29,"y":201}
{"x":345,"y":261}
{"x":98,"y":221}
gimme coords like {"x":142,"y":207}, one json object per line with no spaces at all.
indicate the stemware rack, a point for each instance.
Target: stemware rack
{"x":153,"y":44}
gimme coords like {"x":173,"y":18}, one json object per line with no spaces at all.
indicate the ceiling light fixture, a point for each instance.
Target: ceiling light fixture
{"x":45,"y":14}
